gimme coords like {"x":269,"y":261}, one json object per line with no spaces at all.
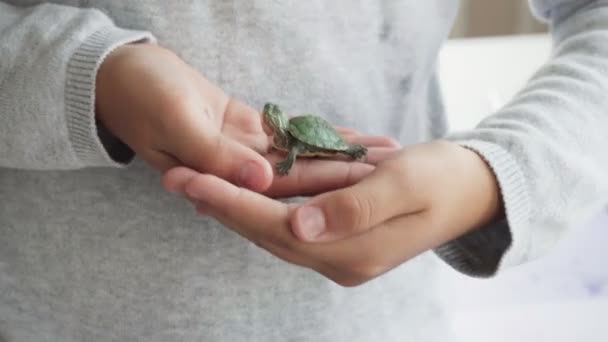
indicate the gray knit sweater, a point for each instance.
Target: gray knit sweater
{"x":92,"y":249}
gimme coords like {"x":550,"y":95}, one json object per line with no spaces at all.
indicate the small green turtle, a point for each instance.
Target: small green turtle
{"x":305,"y":136}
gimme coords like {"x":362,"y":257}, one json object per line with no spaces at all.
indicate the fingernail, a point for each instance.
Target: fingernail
{"x":312,"y":222}
{"x":250,"y":173}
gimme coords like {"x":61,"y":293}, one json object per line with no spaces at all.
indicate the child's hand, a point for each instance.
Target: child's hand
{"x":440,"y":187}
{"x":413,"y":201}
{"x":308,"y":177}
{"x":170,"y":115}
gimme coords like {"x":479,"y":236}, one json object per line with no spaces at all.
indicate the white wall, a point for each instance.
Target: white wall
{"x":479,"y":75}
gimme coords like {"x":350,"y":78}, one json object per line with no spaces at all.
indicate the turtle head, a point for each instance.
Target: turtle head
{"x":275,"y":119}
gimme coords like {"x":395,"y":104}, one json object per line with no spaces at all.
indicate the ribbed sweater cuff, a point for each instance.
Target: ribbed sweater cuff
{"x":84,"y":132}
{"x":502,"y":244}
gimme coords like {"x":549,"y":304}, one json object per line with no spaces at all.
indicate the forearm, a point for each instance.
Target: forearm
{"x":546,"y":147}
{"x":50,"y":56}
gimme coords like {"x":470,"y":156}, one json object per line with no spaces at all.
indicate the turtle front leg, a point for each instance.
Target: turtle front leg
{"x":284,"y":166}
{"x":356,"y":151}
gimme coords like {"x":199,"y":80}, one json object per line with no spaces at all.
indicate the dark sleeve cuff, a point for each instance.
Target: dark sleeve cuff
{"x":92,"y":143}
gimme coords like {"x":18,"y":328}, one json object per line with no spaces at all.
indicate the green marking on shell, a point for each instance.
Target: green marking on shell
{"x":316,"y":131}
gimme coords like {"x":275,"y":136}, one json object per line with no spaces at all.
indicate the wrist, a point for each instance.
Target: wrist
{"x":107,"y":115}
{"x":485,"y":200}
{"x":81,"y":93}
{"x":467,"y":195}
{"x":105,"y":81}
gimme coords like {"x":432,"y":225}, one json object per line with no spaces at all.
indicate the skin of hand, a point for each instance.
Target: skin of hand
{"x":309,"y":177}
{"x":171,"y":115}
{"x":413,"y":200}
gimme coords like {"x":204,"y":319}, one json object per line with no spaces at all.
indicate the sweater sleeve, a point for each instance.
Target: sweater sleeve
{"x":547,"y":146}
{"x":49,"y":58}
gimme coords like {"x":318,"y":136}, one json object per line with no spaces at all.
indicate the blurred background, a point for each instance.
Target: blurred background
{"x":495,"y":17}
{"x":495,"y":47}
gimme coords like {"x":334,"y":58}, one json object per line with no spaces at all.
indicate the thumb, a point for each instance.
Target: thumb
{"x":353,"y":210}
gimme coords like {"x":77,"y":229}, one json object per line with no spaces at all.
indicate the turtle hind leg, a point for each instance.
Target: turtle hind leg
{"x":356,"y":151}
{"x":286,"y":165}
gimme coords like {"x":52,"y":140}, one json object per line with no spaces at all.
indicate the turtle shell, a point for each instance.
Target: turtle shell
{"x":316,"y":131}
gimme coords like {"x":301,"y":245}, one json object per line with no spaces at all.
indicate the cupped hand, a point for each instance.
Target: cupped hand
{"x":413,"y":201}
{"x":171,"y":116}
{"x":440,"y":184}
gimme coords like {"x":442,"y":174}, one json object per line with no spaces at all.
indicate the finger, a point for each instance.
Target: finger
{"x":245,"y":125}
{"x":251,"y":213}
{"x":214,"y":153}
{"x":159,"y":160}
{"x":313,"y":176}
{"x":256,"y":141}
{"x":381,"y":196}
{"x":243,"y":116}
{"x":347,"y":131}
{"x":255,"y":217}
{"x":201,"y":145}
{"x":376,"y":155}
{"x":175,"y":179}
{"x":373,"y":141}
{"x":361,"y":258}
